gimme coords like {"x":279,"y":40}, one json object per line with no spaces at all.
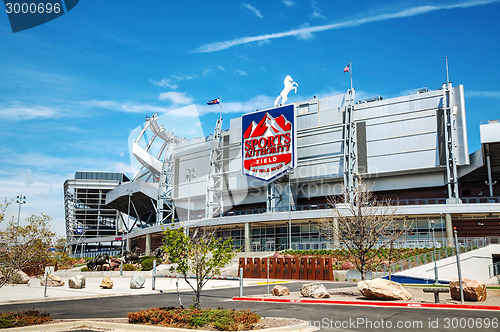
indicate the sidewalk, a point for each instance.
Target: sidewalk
{"x":33,"y":292}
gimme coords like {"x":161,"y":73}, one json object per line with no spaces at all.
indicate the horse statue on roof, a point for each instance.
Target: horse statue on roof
{"x":289,"y":86}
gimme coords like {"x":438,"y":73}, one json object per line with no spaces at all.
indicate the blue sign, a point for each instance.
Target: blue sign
{"x":79,"y":231}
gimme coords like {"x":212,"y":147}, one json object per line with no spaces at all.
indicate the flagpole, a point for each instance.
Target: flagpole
{"x":350,"y":71}
{"x":447,"y":75}
{"x":220,"y":107}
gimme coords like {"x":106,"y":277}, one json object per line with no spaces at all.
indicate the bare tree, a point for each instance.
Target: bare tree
{"x":364,"y":227}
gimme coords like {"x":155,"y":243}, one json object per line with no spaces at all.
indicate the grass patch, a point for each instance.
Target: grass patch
{"x":214,"y":319}
{"x":23,"y":318}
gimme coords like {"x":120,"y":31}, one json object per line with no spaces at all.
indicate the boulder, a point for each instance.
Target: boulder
{"x":382,"y":289}
{"x":347,"y":266}
{"x":473,"y":290}
{"x":77,"y":282}
{"x":137,"y":281}
{"x":107,"y":283}
{"x":52,"y":281}
{"x":279,"y":290}
{"x":19,"y":277}
{"x":316,"y":290}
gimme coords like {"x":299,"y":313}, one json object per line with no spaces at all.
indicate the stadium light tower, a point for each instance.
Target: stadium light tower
{"x":20,"y":200}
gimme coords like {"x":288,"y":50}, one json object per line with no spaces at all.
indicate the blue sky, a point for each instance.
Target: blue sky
{"x":74,"y":89}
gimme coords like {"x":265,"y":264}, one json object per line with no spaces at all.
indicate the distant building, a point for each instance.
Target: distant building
{"x":87,"y":215}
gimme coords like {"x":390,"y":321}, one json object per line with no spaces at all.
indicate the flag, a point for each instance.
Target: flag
{"x":346,"y":69}
{"x":213,"y":102}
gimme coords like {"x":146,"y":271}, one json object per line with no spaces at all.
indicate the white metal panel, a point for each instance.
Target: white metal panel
{"x":490,"y":132}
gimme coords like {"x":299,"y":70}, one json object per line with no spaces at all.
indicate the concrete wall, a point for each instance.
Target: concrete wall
{"x":474,"y":265}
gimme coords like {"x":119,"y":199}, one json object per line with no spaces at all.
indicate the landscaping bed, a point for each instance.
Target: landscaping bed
{"x":207,"y":319}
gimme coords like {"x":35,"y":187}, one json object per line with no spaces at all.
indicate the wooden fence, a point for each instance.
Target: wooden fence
{"x":287,"y":268}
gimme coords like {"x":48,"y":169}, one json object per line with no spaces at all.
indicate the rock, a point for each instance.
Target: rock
{"x":316,"y":290}
{"x":19,"y":277}
{"x":382,"y":289}
{"x":347,"y":266}
{"x":107,"y":283}
{"x":473,"y":290}
{"x":77,"y":282}
{"x":137,"y":281}
{"x":279,"y":290}
{"x":52,"y":281}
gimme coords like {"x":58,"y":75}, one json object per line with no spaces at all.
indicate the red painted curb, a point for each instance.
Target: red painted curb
{"x":381,"y":304}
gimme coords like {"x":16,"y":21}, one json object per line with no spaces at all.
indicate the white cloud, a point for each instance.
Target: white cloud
{"x":164,"y":83}
{"x":241,"y":72}
{"x":289,"y":3}
{"x":176,"y":98}
{"x":253,"y":9}
{"x":126,"y":106}
{"x":23,"y":112}
{"x":316,"y":10}
{"x":413,"y":11}
{"x":172,"y":81}
{"x":485,"y":94}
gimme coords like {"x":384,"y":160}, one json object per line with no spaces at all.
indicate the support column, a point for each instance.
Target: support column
{"x":70,"y":250}
{"x":129,"y":244}
{"x":449,"y":229}
{"x":247,"y":237}
{"x":148,"y":244}
{"x":336,"y":242}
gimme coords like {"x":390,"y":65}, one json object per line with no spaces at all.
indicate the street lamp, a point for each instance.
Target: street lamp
{"x":129,"y":192}
{"x":290,"y":172}
{"x":190,"y":175}
{"x":20,"y":200}
{"x":436,"y":281}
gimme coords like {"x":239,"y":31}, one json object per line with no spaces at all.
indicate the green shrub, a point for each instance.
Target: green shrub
{"x":147,"y":264}
{"x":219,"y":319}
{"x":128,"y":267}
{"x":24,"y":318}
{"x":85,"y":269}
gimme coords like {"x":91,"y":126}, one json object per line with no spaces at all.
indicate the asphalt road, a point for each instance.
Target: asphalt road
{"x":328,"y":317}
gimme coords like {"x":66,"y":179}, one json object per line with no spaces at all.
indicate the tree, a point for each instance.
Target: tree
{"x":364,"y":227}
{"x":201,"y":256}
{"x":24,"y":247}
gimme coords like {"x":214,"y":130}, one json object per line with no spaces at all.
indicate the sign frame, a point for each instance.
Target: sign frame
{"x":289,"y":113}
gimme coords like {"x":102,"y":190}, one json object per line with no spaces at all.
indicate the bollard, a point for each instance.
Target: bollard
{"x":241,"y":282}
{"x":154,"y":274}
{"x":268,"y":293}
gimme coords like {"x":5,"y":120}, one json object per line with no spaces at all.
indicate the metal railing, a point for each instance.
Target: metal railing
{"x":95,"y":253}
{"x":494,"y":270}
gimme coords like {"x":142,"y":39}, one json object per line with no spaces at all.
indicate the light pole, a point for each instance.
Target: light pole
{"x":129,"y":191}
{"x":190,"y":175}
{"x":290,"y":172}
{"x":458,"y":266}
{"x":20,"y":200}
{"x":436,"y":281}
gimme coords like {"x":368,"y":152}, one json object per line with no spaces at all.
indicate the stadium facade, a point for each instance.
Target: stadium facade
{"x":241,"y":182}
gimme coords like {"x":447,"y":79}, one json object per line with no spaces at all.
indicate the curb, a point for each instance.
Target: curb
{"x":119,"y":327}
{"x":376,"y":304}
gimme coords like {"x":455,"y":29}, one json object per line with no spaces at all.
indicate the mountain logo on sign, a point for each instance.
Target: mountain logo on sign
{"x":267,"y":146}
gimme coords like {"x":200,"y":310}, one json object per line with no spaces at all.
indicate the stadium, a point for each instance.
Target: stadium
{"x":265,"y":181}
